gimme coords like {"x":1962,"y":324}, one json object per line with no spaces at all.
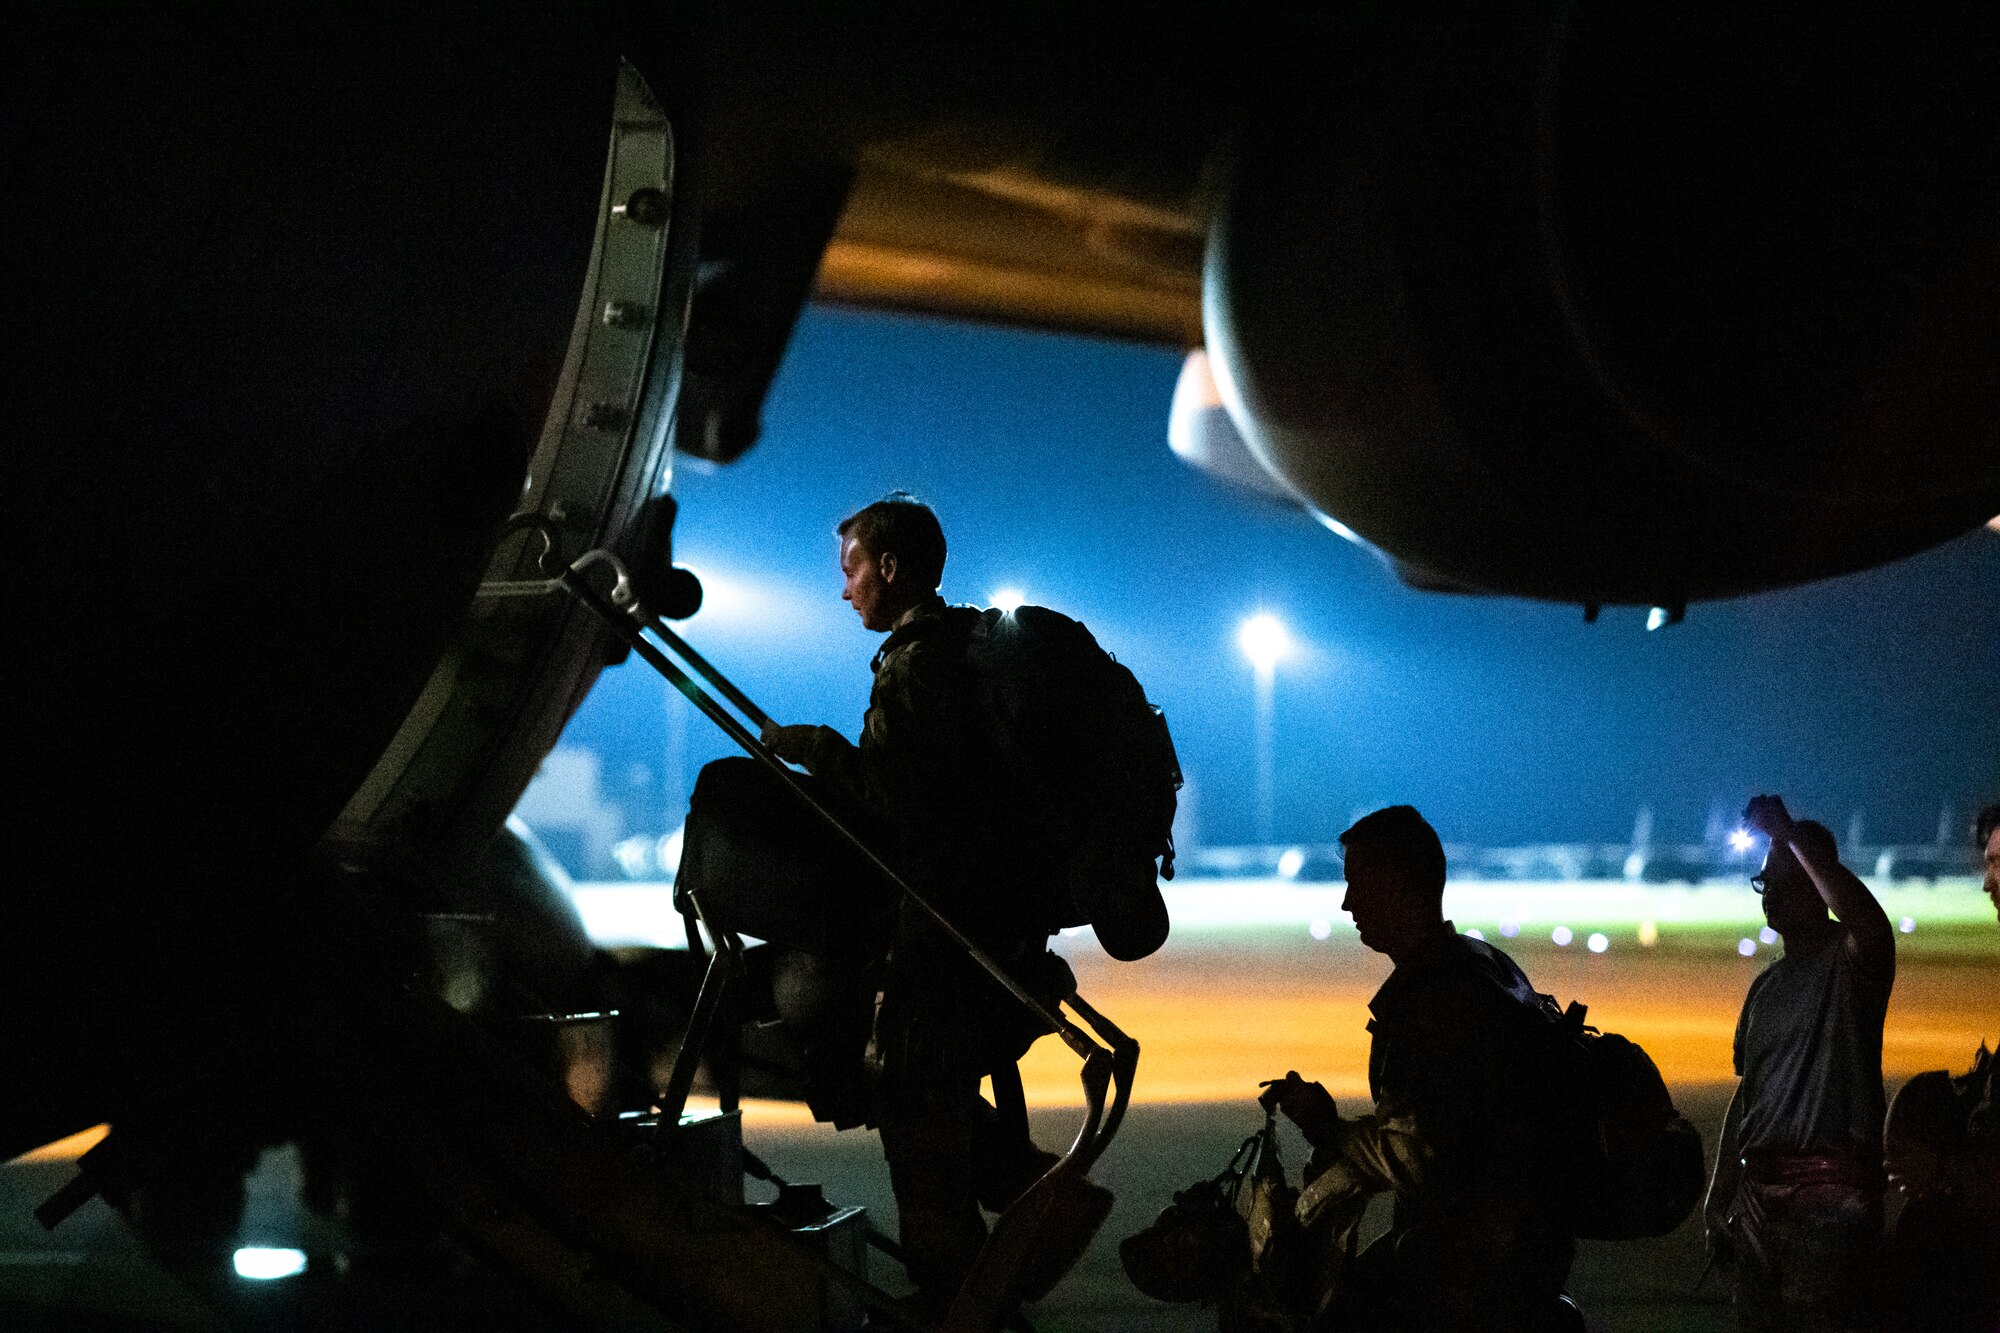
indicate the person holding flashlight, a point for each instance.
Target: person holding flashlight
{"x":1795,"y":1204}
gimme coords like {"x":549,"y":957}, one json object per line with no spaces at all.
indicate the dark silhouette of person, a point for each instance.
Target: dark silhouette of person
{"x":1465,"y":1130}
{"x":1942,"y":1145}
{"x":924,"y":782}
{"x":1795,"y":1204}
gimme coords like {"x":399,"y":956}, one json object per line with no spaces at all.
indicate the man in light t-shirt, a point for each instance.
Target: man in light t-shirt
{"x":1796,"y":1200}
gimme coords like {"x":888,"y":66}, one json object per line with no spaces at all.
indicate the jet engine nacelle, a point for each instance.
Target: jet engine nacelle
{"x":1622,"y":307}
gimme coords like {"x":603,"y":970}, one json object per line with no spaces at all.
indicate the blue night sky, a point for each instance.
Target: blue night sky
{"x":1504,"y":721}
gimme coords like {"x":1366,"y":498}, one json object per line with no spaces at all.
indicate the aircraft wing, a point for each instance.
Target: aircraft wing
{"x":1007,"y":246}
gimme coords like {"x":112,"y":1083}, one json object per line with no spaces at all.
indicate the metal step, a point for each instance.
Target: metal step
{"x":705,"y":1149}
{"x":838,"y":1235}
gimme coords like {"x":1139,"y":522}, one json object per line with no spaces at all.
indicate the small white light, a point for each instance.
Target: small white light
{"x":264,"y":1264}
{"x":1008,"y":600}
{"x":1649,"y":934}
{"x":1562,"y":936}
{"x":1292,"y":862}
{"x":1767,"y":936}
{"x":1907,"y":925}
{"x":1598,"y":942}
{"x":1320,"y":928}
{"x":634,"y":856}
{"x":667,"y":852}
{"x":1475,"y":934}
{"x":1741,"y":840}
{"x":1264,"y":640}
{"x":1746,"y":946}
{"x":1656,"y":617}
{"x":1509,"y":929}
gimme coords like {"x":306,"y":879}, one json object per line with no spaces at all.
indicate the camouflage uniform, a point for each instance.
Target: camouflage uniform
{"x":1465,"y":1135}
{"x":925,"y":768}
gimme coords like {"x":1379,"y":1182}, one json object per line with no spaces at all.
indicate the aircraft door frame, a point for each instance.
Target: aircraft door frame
{"x":499,"y":697}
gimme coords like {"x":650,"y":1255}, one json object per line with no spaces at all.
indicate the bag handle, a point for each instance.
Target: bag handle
{"x":1255,"y":1155}
{"x":1267,"y":1141}
{"x":1242,"y":1163}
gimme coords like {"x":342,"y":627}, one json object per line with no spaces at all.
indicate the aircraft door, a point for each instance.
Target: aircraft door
{"x":500,"y":695}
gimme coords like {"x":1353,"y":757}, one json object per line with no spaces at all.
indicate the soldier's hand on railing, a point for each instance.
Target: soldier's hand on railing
{"x":795,"y":745}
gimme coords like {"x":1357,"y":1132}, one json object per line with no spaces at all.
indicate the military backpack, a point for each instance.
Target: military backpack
{"x":1636,"y":1165}
{"x":1074,"y":727}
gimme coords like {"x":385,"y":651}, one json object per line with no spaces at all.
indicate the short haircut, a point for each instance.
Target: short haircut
{"x":1404,"y":840}
{"x":1989,"y":819}
{"x":901,"y":525}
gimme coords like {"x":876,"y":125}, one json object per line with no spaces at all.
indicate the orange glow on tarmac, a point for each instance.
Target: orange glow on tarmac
{"x":69,"y":1149}
{"x":1213,"y":1017}
{"x":1216,"y":1014}
{"x":756,"y":1111}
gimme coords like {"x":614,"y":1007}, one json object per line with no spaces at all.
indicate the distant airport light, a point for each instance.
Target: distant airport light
{"x":1598,"y":942}
{"x":633,"y":856}
{"x":667,"y":851}
{"x":1475,"y":934}
{"x":1264,"y":640}
{"x":1746,"y":946}
{"x":1649,"y":934}
{"x":729,"y":596}
{"x":1509,"y":929}
{"x":1562,"y":936}
{"x":1291,"y":863}
{"x":1907,"y":925}
{"x":1320,"y":928}
{"x":264,"y":1264}
{"x":1767,"y":936}
{"x":1009,"y":600}
{"x":1741,"y":841}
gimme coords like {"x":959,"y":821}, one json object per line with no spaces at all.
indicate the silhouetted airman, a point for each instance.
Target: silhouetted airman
{"x":923,"y":780}
{"x":1464,"y":1130}
{"x":1795,"y":1204}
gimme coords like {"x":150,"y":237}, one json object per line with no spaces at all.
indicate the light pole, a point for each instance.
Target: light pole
{"x":1264,"y":640}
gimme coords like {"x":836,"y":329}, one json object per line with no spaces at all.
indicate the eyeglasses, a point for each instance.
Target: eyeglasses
{"x":1757,"y":882}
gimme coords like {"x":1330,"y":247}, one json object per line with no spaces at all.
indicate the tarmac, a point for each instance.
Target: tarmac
{"x":1629,"y":1287}
{"x":1215,"y":1012}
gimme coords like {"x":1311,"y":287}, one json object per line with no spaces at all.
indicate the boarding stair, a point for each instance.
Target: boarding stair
{"x":1034,"y":1241}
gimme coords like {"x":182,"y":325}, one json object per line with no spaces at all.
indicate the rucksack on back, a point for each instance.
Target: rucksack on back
{"x":1638,"y":1168}
{"x":1075,"y":726}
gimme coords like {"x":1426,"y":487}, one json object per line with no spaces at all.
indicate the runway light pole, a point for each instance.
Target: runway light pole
{"x":1264,"y":640}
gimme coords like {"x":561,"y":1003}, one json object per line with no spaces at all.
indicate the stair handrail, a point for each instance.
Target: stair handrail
{"x":622,"y":612}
